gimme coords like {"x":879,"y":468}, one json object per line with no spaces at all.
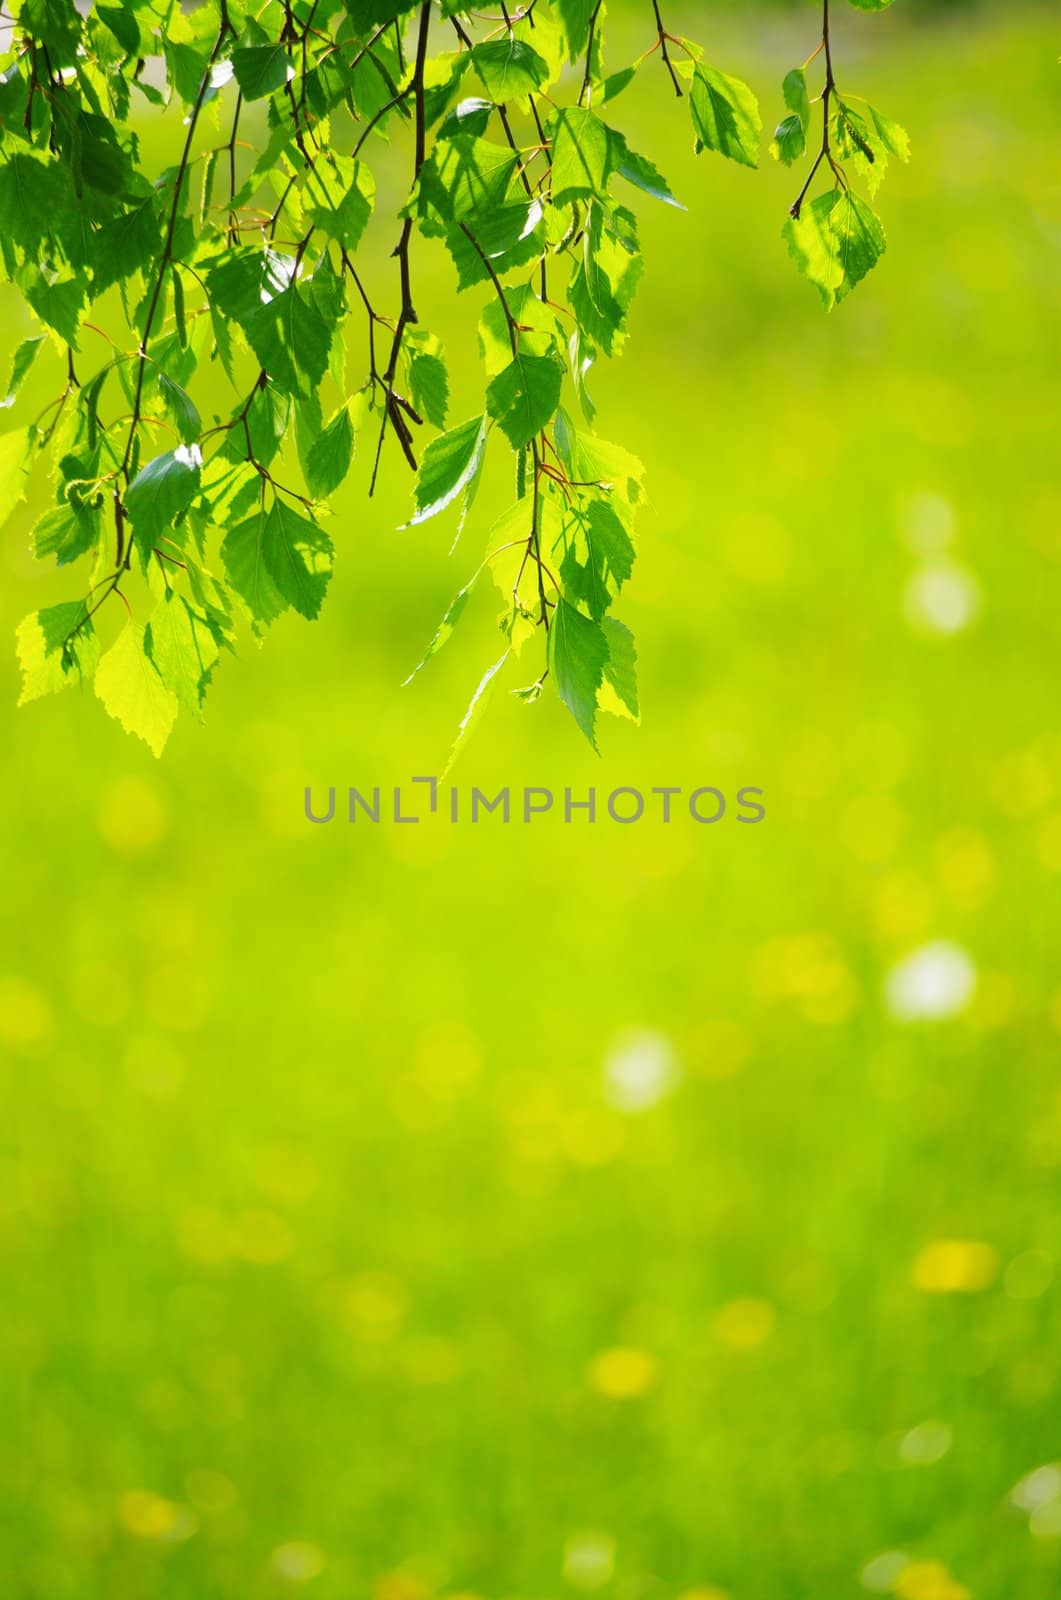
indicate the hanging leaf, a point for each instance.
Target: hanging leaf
{"x":834,"y":242}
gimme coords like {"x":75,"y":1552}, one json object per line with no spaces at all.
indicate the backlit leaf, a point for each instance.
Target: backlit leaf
{"x":725,"y":115}
{"x":449,"y":465}
{"x":524,"y":396}
{"x":835,"y":241}
{"x":578,"y":654}
{"x":132,"y":691}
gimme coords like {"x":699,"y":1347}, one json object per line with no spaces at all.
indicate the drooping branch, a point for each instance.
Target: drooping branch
{"x":392,"y":410}
{"x":662,"y":39}
{"x":824,"y":151}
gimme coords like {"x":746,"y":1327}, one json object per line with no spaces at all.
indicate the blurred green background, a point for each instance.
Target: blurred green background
{"x":520,"y":1212}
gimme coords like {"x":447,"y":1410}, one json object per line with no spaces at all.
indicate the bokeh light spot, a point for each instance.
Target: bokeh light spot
{"x":640,"y":1071}
{"x":133,"y":817}
{"x":955,"y":1266}
{"x":623,"y":1372}
{"x":743,"y":1324}
{"x":263,"y":1237}
{"x":928,"y":523}
{"x":928,"y":1580}
{"x":298,"y":1561}
{"x":375,"y":1305}
{"x":589,"y":1560}
{"x":926,"y":1444}
{"x":932,"y":983}
{"x":941,"y":597}
{"x":147,"y":1515}
{"x":881,"y":1572}
{"x":25,"y":1017}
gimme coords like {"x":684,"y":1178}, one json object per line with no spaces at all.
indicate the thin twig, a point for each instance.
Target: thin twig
{"x":407,"y":314}
{"x":662,"y":37}
{"x":824,"y":153}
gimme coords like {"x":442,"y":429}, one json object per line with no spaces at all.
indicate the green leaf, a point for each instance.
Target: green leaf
{"x":612,"y":86}
{"x":162,"y":490}
{"x":609,"y":556}
{"x":611,"y":548}
{"x":639,"y":171}
{"x":852,"y":138}
{"x":342,"y":194}
{"x":287,"y":333}
{"x":123,"y":25}
{"x":65,"y":532}
{"x":186,"y":66}
{"x":794,"y":90}
{"x":867,"y":138}
{"x":789,"y":141}
{"x":266,"y":423}
{"x":306,"y":334}
{"x":524,"y":396}
{"x":578,"y":653}
{"x":725,"y":115}
{"x":450,"y":463}
{"x":471,"y":116}
{"x":25,"y":356}
{"x":14,"y":448}
{"x":620,"y":672}
{"x":834,"y":242}
{"x":464,"y":178}
{"x":892,"y":135}
{"x":536,"y":320}
{"x":445,"y":629}
{"x":182,"y":648}
{"x":55,"y":23}
{"x":327,"y":461}
{"x":181,"y":407}
{"x":575,"y":16}
{"x":602,"y":286}
{"x":96,"y":157}
{"x":588,"y":459}
{"x":581,"y":155}
{"x":509,"y":236}
{"x":125,"y":245}
{"x":132,"y":692}
{"x":368,"y":15}
{"x":179,"y":316}
{"x":243,"y":558}
{"x":428,"y":379}
{"x":36,"y":197}
{"x":870,"y":5}
{"x":509,"y":68}
{"x":57,"y":299}
{"x":485,"y":687}
{"x":298,"y":554}
{"x":260,"y":70}
{"x":50,"y":659}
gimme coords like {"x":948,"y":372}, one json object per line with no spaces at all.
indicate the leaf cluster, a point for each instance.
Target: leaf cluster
{"x":246,"y":253}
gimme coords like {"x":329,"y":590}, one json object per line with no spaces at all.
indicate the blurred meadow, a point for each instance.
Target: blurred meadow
{"x":663,"y":1212}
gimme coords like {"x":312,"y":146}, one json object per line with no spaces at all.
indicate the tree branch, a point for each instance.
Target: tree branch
{"x":407,"y":313}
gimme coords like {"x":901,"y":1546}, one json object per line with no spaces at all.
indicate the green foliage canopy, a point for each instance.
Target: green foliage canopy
{"x":245,"y":252}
